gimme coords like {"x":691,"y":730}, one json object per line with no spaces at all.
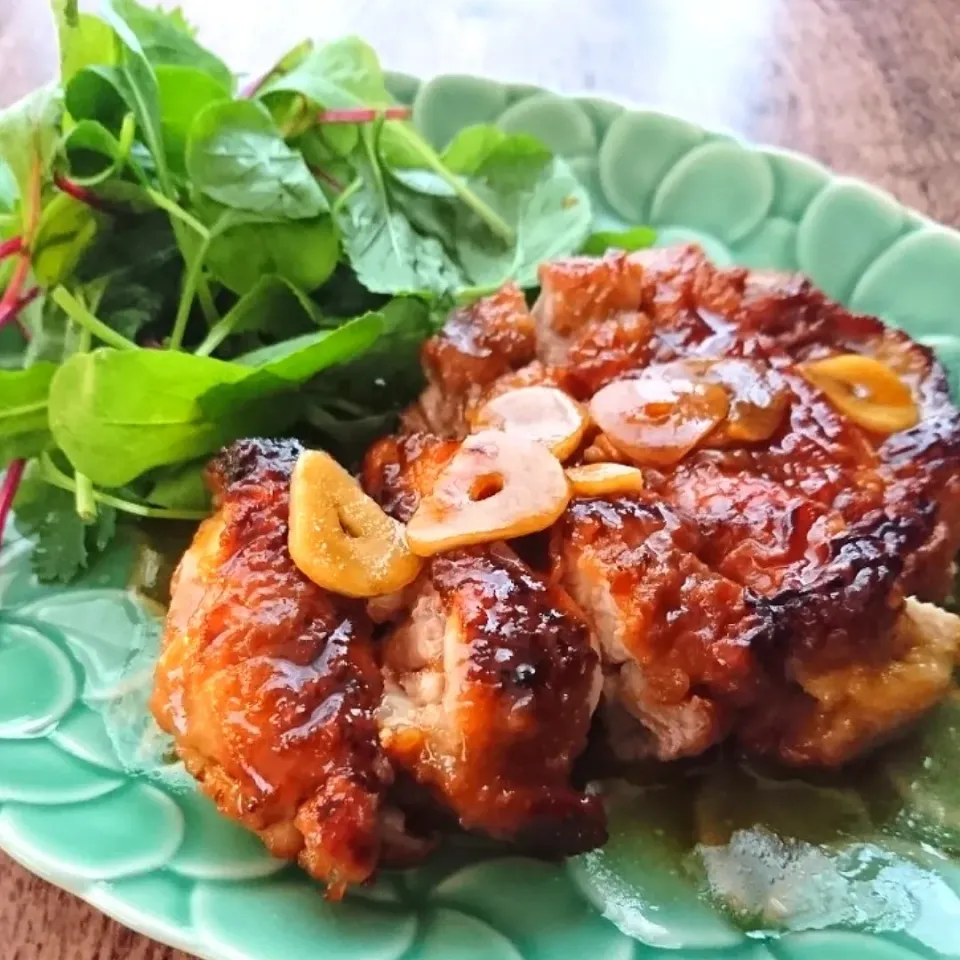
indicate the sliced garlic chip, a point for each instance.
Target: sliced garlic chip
{"x":497,"y":486}
{"x":867,"y":391}
{"x":604,"y":479}
{"x":546,"y":415}
{"x":758,"y":395}
{"x":339,"y":537}
{"x":658,"y":421}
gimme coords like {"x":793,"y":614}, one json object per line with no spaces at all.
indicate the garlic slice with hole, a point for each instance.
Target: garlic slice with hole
{"x":604,"y":479}
{"x":867,"y":391}
{"x":497,"y":486}
{"x":546,"y":415}
{"x":339,"y":537}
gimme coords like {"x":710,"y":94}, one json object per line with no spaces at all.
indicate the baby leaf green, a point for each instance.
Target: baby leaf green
{"x":144,"y":403}
{"x":552,"y":219}
{"x":162,"y":406}
{"x":490,"y":154}
{"x":136,"y":82}
{"x":388,"y":254}
{"x":94,"y":152}
{"x":342,"y":74}
{"x":302,"y":252}
{"x":184,"y":92}
{"x":23,"y":411}
{"x":636,"y":238}
{"x":88,"y":41}
{"x":273,"y":306}
{"x":94,"y":94}
{"x":236,"y":156}
{"x":166,"y":41}
{"x":181,"y":487}
{"x":66,"y":230}
{"x":298,"y":359}
{"x":28,"y":133}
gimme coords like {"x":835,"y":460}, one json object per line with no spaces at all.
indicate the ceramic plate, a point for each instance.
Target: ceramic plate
{"x":155,"y":856}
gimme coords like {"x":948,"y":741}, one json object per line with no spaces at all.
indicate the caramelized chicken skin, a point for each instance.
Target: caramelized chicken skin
{"x":821,"y":528}
{"x":491,"y":678}
{"x":679,"y":641}
{"x":269,"y":684}
{"x":764,"y":582}
{"x":477,"y":344}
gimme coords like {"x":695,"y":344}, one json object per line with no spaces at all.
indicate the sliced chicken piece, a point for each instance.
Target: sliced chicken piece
{"x":680,"y":643}
{"x":269,"y":684}
{"x":754,"y":530}
{"x":490,"y":685}
{"x":477,"y":344}
{"x":853,"y":663}
{"x":579,"y":291}
{"x":687,"y":301}
{"x":835,"y":714}
{"x":491,"y":678}
{"x":606,"y":350}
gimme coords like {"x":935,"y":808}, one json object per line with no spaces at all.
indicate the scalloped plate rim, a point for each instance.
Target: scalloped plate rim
{"x":96,"y":893}
{"x":90,"y":892}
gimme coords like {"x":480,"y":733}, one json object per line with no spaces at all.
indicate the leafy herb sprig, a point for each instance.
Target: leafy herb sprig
{"x":184,"y":263}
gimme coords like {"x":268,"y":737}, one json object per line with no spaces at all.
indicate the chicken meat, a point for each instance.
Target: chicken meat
{"x":766,"y":574}
{"x":270,"y":685}
{"x":777,"y":546}
{"x":491,"y":677}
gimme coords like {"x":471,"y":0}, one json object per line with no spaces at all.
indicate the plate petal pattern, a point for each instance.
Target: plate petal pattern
{"x":159,"y":860}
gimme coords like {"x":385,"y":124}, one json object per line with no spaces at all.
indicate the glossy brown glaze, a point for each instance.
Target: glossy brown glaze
{"x":397,"y":469}
{"x":491,"y":678}
{"x":269,"y":684}
{"x":679,"y":640}
{"x":871,"y":88}
{"x":476,"y":345}
{"x":809,"y":530}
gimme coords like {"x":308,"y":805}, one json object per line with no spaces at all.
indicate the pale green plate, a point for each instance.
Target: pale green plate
{"x":158,"y":858}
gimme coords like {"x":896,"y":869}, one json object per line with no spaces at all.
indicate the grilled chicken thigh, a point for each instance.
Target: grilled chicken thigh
{"x":761,"y":575}
{"x":491,"y":678}
{"x":679,"y":641}
{"x":765,"y":560}
{"x":269,"y":684}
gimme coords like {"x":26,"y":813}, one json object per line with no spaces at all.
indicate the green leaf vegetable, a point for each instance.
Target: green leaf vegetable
{"x":23,"y":411}
{"x":637,"y":238}
{"x":64,"y":543}
{"x":188,"y":264}
{"x":236,"y":156}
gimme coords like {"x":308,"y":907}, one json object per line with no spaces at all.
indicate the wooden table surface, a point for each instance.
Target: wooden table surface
{"x":871,"y":87}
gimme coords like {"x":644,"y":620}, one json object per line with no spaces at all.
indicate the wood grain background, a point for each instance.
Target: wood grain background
{"x":871,"y":87}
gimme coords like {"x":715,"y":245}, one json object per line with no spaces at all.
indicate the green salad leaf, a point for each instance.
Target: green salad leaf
{"x":550,"y":219}
{"x":64,"y":543}
{"x":181,"y":487}
{"x":29,"y":133}
{"x":498,"y":158}
{"x":303,"y":252}
{"x":388,"y":253}
{"x":167,"y":41}
{"x":134,"y":80}
{"x":95,"y":154}
{"x":189,"y":263}
{"x":342,"y":74}
{"x":236,"y":156}
{"x":85,"y":41}
{"x":185,"y":91}
{"x":636,"y":238}
{"x":23,"y":411}
{"x":66,"y":230}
